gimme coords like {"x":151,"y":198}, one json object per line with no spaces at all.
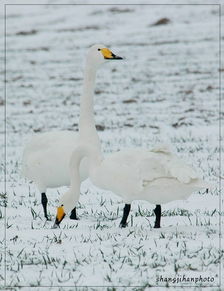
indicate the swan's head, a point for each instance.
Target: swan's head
{"x":67,"y":203}
{"x":59,"y":217}
{"x":99,"y":54}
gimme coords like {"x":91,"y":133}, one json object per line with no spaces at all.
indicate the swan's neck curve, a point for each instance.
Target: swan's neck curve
{"x":95,"y":159}
{"x":87,"y":129}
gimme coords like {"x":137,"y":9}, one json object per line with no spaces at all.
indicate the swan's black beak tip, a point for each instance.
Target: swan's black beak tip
{"x":55,"y":226}
{"x":113,"y":57}
{"x":56,"y":223}
{"x":118,"y":58}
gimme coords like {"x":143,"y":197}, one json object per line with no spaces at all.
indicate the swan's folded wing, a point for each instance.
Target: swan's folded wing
{"x":151,"y":169}
{"x":164,"y":166}
{"x":173,"y":166}
{"x":181,"y":171}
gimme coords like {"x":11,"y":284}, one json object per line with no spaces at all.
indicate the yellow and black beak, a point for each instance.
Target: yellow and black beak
{"x":59,"y":217}
{"x":108,"y":55}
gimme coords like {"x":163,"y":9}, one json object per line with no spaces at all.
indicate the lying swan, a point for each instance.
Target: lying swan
{"x":157,"y":176}
{"x":46,"y":158}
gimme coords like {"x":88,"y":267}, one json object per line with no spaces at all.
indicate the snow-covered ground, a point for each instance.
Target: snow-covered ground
{"x":167,"y":89}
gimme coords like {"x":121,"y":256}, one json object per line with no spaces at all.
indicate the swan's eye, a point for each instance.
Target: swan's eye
{"x":99,"y":49}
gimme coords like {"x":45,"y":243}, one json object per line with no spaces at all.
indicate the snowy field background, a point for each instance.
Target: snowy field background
{"x":165,"y":90}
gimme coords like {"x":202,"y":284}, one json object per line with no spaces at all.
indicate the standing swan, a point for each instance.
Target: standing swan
{"x":157,"y":176}
{"x":46,"y":158}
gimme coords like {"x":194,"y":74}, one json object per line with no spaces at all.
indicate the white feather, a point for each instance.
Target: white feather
{"x":46,"y":157}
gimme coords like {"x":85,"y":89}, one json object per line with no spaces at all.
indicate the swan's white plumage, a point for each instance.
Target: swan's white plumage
{"x":137,"y":174}
{"x":46,"y":157}
{"x":157,"y":176}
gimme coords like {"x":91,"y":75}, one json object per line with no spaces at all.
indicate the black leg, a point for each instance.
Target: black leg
{"x":157,"y":211}
{"x":44,"y":204}
{"x":126,"y":211}
{"x":74,"y":214}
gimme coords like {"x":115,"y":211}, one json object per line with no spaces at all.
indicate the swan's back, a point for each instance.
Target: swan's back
{"x":47,"y":140}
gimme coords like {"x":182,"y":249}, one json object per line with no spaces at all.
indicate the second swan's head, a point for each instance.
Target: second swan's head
{"x":99,"y":54}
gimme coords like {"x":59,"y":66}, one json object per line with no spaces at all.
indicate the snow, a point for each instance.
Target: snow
{"x":166,"y":90}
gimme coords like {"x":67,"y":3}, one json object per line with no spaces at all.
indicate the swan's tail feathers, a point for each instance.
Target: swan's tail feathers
{"x":201,"y":184}
{"x":205,"y":185}
{"x":183,"y":173}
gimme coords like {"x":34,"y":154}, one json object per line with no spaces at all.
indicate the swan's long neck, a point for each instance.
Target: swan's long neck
{"x":75,"y":181}
{"x":87,"y":127}
{"x":94,"y":156}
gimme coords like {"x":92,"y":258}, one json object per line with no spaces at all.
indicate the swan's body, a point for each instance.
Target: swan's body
{"x":137,"y":174}
{"x":46,"y":157}
{"x":157,"y":176}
